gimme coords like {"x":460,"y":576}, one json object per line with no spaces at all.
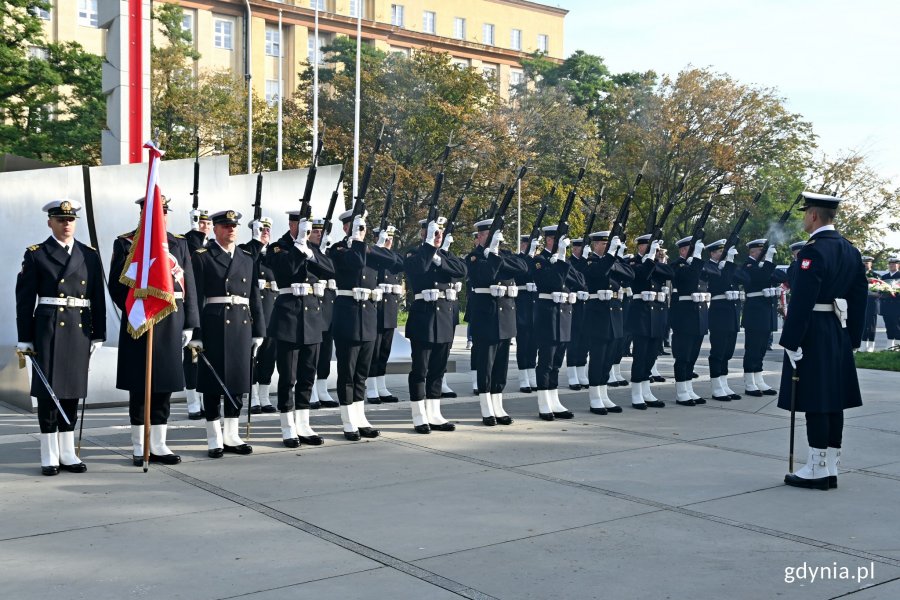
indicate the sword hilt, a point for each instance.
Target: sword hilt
{"x":21,"y":354}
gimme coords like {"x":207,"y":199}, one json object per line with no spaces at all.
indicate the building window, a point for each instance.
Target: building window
{"x":461,"y":63}
{"x":357,"y":5}
{"x":273,"y":90}
{"x":404,"y":52}
{"x":38,"y":53}
{"x":428,"y":19}
{"x":187,"y":23}
{"x":459,"y":28}
{"x":489,"y":72}
{"x":273,"y":41}
{"x":41,"y":13}
{"x":310,"y":48}
{"x":515,"y":39}
{"x":223,"y":34}
{"x":516,"y":78}
{"x":397,"y":15}
{"x":543,"y":43}
{"x":487,"y":36}
{"x":87,"y":13}
{"x":313,"y":3}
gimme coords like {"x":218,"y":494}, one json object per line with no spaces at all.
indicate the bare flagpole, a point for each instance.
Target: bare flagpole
{"x":315,"y":132}
{"x":356,"y":112}
{"x":280,"y":90}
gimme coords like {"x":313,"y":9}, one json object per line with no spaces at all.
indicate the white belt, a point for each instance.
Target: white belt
{"x":528,"y":287}
{"x":332,"y":284}
{"x":68,"y":301}
{"x":559,"y":297}
{"x":227,"y":300}
{"x":754,"y":294}
{"x":390,"y":288}
{"x":267,"y":285}
{"x":361,"y":294}
{"x":696,"y":297}
{"x":732,"y":295}
{"x":430,"y":295}
{"x":838,"y":307}
{"x":490,"y":291}
{"x":823,"y":308}
{"x":603,"y":295}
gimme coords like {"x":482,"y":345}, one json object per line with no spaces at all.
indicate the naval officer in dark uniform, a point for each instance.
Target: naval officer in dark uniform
{"x":320,"y":242}
{"x":689,"y":317}
{"x":577,"y":348}
{"x":824,"y":324}
{"x":170,"y":336}
{"x":390,"y":277}
{"x":724,"y":317}
{"x":196,"y":237}
{"x":873,"y":306}
{"x":761,"y":291}
{"x":61,"y":319}
{"x":232,"y":327}
{"x":890,"y":305}
{"x":526,"y":346}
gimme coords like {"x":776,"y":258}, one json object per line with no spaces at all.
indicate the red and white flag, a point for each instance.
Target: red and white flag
{"x":149,"y":269}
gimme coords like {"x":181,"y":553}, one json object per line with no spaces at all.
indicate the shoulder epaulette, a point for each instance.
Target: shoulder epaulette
{"x":126,"y":235}
{"x":34,"y":247}
{"x":810,"y":242}
{"x":199,"y":250}
{"x":276,"y":249}
{"x":245,"y":251}
{"x":178,"y":235}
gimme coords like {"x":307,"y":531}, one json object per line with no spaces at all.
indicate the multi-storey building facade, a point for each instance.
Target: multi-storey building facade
{"x":492,"y":36}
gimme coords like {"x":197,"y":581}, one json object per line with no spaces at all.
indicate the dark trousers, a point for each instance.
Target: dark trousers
{"x":644,"y":352}
{"x":577,"y":350}
{"x":526,"y":349}
{"x":550,"y":359}
{"x":296,"y":369}
{"x":755,"y":343}
{"x":429,"y":363}
{"x":323,"y":369}
{"x":265,"y":362}
{"x":49,"y":417}
{"x":159,"y":408}
{"x":211,"y":404}
{"x":491,"y":364}
{"x":381,"y":353}
{"x":603,"y":352}
{"x":721,"y":349}
{"x":353,"y":360}
{"x":824,"y":430}
{"x":685,"y":350}
{"x":190,"y":369}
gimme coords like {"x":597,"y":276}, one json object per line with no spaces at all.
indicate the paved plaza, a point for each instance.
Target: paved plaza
{"x":675,"y":503}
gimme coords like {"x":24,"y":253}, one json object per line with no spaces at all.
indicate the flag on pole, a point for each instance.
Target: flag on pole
{"x":149,"y":268}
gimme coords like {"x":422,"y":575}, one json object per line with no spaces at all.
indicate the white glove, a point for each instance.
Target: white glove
{"x":255,"y":343}
{"x":358,"y":230}
{"x":382,"y":238}
{"x":698,"y":249}
{"x":731,"y":254}
{"x":195,"y":220}
{"x":651,"y":253}
{"x":256,"y":229}
{"x":770,"y":254}
{"x":448,"y":239}
{"x":186,"y":337}
{"x":326,"y":243}
{"x":95,"y":344}
{"x":621,"y":252}
{"x":431,"y":233}
{"x":197,"y":344}
{"x":564,"y":243}
{"x":303,"y":230}
{"x":794,"y":356}
{"x":532,"y":249}
{"x":613,"y":246}
{"x":436,"y":259}
{"x":495,"y":242}
{"x":25,"y":347}
{"x":303,"y":247}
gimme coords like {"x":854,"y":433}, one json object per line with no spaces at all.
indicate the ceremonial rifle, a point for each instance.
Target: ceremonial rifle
{"x":732,"y":238}
{"x":492,"y":209}
{"x":359,"y":203}
{"x":388,"y":201}
{"x":621,"y":220}
{"x":454,"y":213}
{"x":439,"y":183}
{"x":779,"y":226}
{"x":306,"y":199}
{"x":562,"y":228}
{"x":536,"y":229}
{"x":700,"y":223}
{"x":658,"y":224}
{"x":498,"y":222}
{"x":332,"y":204}
{"x":593,"y":216}
{"x":195,"y":193}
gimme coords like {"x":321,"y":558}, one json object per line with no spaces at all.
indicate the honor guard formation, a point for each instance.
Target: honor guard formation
{"x":243,"y":311}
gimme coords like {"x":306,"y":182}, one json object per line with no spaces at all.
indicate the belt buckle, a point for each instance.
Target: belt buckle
{"x":71,"y":302}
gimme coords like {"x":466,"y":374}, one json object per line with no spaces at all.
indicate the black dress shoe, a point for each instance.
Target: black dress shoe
{"x":369,"y":432}
{"x":76,"y":468}
{"x":699,"y":400}
{"x":507,"y":420}
{"x":215,"y":453}
{"x":450,"y":394}
{"x":389,"y":399}
{"x":769,"y":392}
{"x":657,"y":379}
{"x":195,"y":416}
{"x":329,"y":403}
{"x":375,"y":400}
{"x":256,"y":410}
{"x":315,"y":405}
{"x":525,"y":390}
{"x":165,"y":459}
{"x":832,"y":482}
{"x":565,"y":414}
{"x":734,"y":396}
{"x":754,"y":393}
{"x":694,"y":376}
{"x":474,"y":392}
{"x":137,"y":461}
{"x":576,"y":387}
{"x":489,"y":421}
{"x":641,"y":406}
{"x":268,"y":408}
{"x":820,"y":483}
{"x":622,"y":383}
{"x":242,"y":449}
{"x":614,"y":409}
{"x":684,"y":403}
{"x":448,"y":426}
{"x":547,"y":416}
{"x":352,"y":436}
{"x":311,"y":440}
{"x":722,"y":398}
{"x":599,"y":411}
{"x":655,"y":403}
{"x":423,"y":428}
{"x":48,"y":471}
{"x":291,"y":442}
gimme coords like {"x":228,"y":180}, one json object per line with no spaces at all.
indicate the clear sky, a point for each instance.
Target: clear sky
{"x":837,"y":62}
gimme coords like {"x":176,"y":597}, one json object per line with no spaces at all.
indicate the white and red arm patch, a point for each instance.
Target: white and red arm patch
{"x":806,"y":263}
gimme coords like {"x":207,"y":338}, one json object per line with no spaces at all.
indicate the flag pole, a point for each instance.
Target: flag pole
{"x":357,"y":102}
{"x":148,"y":377}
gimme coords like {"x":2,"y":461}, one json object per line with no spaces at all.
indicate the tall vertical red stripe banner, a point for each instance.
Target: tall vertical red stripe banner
{"x":135,"y":80}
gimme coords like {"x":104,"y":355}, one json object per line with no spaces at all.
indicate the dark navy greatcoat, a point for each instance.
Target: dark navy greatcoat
{"x":604,"y":318}
{"x":265,"y":277}
{"x":195,"y":240}
{"x":61,"y":335}
{"x":890,"y":308}
{"x":296,"y":319}
{"x":492,"y":319}
{"x":725,"y":315}
{"x":525,"y":300}
{"x":873,"y":306}
{"x":168,"y":372}
{"x":830,"y":267}
{"x":356,"y":265}
{"x":225,"y":329}
{"x":431,"y":322}
{"x":759,"y":311}
{"x":552,"y":321}
{"x":688,"y":317}
{"x":390,"y":272}
{"x":648,"y":319}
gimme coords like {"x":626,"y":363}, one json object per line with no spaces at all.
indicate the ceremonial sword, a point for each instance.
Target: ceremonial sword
{"x":37,"y":369}
{"x":199,"y":352}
